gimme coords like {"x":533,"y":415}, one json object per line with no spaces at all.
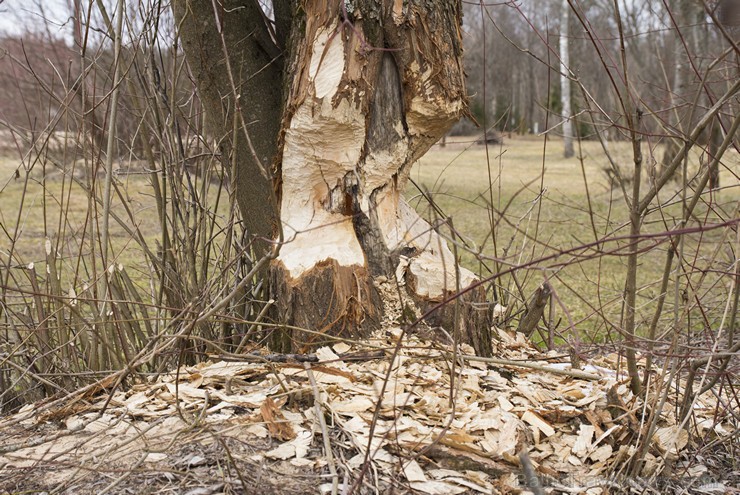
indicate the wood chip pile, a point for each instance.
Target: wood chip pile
{"x":402,"y":421}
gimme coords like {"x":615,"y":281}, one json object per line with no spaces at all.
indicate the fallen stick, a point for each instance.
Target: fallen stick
{"x":538,"y":367}
{"x":324,"y":431}
{"x":296,"y":358}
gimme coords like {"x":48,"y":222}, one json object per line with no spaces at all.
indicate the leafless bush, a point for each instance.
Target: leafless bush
{"x":664,"y":80}
{"x":82,"y":296}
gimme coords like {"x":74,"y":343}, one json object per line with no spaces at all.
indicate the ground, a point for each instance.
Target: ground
{"x":188,"y":433}
{"x":251,"y":425}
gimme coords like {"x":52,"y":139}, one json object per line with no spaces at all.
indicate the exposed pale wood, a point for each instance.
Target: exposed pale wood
{"x":369,"y":97}
{"x":538,"y":422}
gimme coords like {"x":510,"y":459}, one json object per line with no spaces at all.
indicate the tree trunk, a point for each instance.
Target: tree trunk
{"x":686,"y":14}
{"x":358,"y":91}
{"x":371,"y":93}
{"x":228,"y":47}
{"x":565,"y":82}
{"x":715,"y":141}
{"x":531,"y":96}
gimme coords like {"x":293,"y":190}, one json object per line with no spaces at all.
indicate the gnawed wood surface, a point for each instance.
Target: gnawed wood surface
{"x":371,"y":93}
{"x":328,"y":299}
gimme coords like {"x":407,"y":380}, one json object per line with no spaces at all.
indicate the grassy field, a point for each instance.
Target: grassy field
{"x":541,"y":204}
{"x":50,"y":205}
{"x":515,"y":205}
{"x":40,"y":203}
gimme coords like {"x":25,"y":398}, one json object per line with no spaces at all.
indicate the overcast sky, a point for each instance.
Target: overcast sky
{"x":17,"y":16}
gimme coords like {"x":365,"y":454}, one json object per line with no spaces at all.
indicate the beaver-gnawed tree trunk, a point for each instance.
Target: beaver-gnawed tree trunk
{"x":339,"y":99}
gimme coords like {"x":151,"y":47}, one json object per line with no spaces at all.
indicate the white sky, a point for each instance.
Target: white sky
{"x":17,"y":16}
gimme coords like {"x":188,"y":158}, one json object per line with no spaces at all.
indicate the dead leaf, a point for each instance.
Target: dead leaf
{"x":276,"y":423}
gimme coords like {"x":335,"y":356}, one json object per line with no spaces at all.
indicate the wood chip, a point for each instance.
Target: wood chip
{"x":671,"y":440}
{"x":413,"y":472}
{"x":437,"y":488}
{"x":583,"y":443}
{"x":498,"y":408}
{"x":353,"y":406}
{"x":538,"y":422}
{"x":601,"y":453}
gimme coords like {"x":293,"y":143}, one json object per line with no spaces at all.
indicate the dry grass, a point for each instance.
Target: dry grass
{"x":50,"y":195}
{"x":530,"y":226}
{"x":52,"y":205}
{"x":81,"y":317}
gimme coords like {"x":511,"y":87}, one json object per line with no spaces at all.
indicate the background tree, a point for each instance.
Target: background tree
{"x":565,"y":81}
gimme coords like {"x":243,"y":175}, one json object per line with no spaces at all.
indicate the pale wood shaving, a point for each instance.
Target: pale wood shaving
{"x":442,"y":433}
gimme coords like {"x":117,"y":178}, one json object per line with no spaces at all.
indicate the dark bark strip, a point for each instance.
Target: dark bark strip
{"x":387,"y":107}
{"x":257,"y":70}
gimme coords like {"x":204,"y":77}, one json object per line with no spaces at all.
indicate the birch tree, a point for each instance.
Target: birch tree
{"x":321,"y":108}
{"x":565,"y":82}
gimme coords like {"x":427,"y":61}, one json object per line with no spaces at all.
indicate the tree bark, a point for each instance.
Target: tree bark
{"x":565,"y":82}
{"x":715,"y":141}
{"x":535,"y":309}
{"x":237,"y":67}
{"x":686,"y":15}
